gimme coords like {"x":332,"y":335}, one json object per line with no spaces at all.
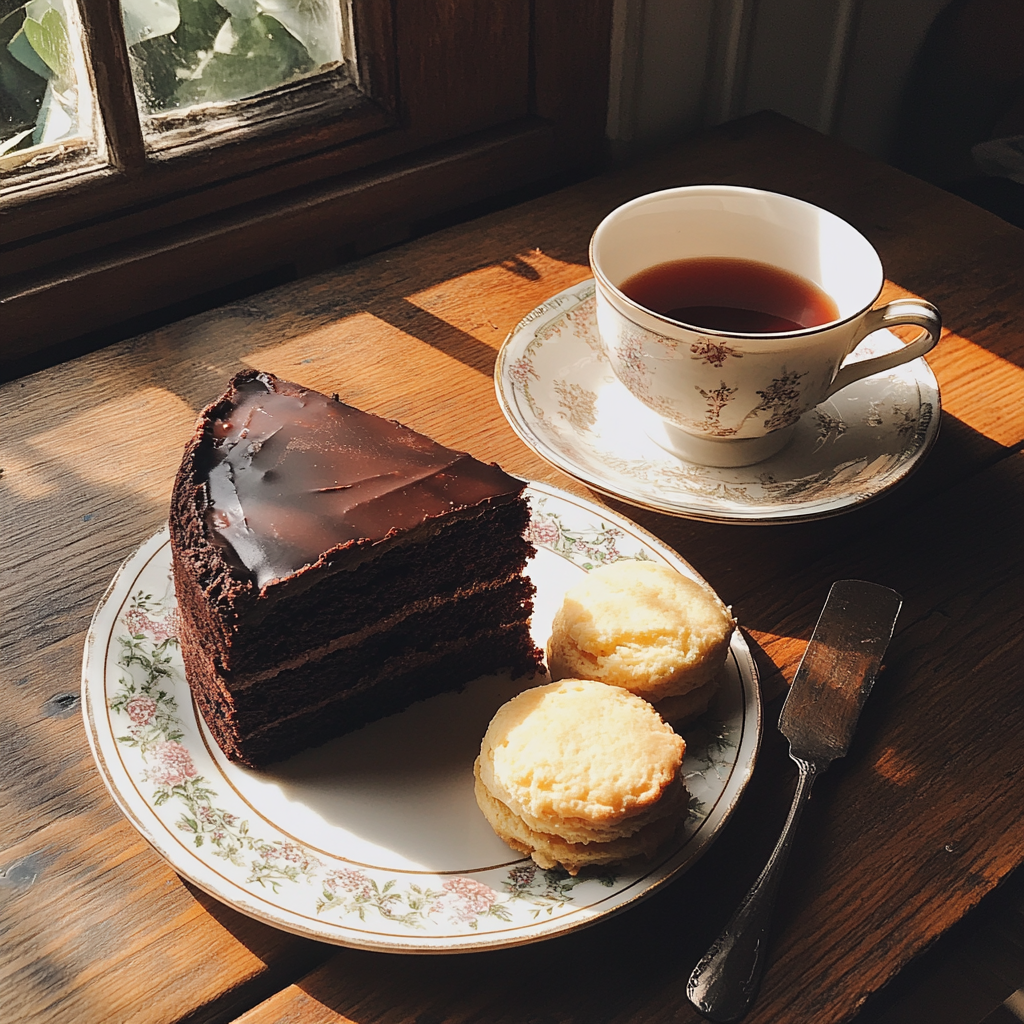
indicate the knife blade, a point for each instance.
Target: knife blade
{"x":838,"y":670}
{"x":832,"y":682}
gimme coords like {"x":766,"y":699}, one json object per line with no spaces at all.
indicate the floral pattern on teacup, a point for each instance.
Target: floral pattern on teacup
{"x":714,"y":353}
{"x":633,"y":353}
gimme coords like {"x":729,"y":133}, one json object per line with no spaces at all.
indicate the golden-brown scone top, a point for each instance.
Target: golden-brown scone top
{"x":586,"y":762}
{"x":643,"y":627}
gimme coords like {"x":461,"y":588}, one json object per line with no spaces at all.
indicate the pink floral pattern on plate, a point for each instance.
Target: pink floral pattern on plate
{"x":209,"y":820}
{"x":154,"y":729}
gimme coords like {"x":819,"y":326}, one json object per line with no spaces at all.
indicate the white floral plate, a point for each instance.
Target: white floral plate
{"x":374,"y":839}
{"x":560,"y":395}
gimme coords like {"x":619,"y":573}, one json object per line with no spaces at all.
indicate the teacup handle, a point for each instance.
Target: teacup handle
{"x":892,"y":314}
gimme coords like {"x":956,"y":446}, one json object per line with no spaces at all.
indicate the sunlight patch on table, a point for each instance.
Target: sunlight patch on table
{"x":29,"y":480}
{"x":980,"y":389}
{"x":135,"y":444}
{"x":522,"y":281}
{"x":895,"y":767}
{"x":770,"y":642}
{"x":379,"y":368}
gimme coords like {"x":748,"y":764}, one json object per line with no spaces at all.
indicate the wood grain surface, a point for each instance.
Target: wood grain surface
{"x":903,"y":837}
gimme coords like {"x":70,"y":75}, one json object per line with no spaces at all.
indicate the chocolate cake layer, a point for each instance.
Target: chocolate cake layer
{"x":327,"y":562}
{"x":353,"y":658}
{"x":332,"y":677}
{"x":488,"y":652}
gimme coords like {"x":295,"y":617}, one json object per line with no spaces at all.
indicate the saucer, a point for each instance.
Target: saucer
{"x":561,"y":397}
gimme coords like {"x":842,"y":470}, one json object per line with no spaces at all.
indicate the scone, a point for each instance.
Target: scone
{"x":648,"y":629}
{"x":578,"y":773}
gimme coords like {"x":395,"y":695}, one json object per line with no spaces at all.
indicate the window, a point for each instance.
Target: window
{"x":46,"y":101}
{"x":192,"y":165}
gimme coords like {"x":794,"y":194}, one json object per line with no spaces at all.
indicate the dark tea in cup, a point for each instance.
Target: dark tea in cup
{"x":721,"y":293}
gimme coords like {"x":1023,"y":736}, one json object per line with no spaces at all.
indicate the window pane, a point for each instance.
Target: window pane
{"x":191,"y":52}
{"x":43,"y":92}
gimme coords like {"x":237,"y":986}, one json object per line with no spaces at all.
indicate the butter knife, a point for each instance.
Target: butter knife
{"x":818,"y":718}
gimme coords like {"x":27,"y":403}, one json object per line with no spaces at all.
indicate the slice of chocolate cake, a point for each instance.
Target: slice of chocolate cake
{"x":332,"y":567}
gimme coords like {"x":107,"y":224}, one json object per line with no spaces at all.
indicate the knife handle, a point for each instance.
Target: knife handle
{"x":725,"y":982}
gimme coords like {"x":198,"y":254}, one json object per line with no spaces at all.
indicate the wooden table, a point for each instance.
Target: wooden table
{"x":904,"y":837}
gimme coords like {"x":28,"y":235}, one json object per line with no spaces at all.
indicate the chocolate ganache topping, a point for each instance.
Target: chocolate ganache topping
{"x":293,"y":474}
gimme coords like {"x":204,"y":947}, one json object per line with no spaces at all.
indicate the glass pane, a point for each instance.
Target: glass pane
{"x":190,"y":52}
{"x":43,"y":92}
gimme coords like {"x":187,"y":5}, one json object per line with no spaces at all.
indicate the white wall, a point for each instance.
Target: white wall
{"x":839,"y":66}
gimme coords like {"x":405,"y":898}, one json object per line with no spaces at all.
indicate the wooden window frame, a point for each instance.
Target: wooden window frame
{"x":353,"y":166}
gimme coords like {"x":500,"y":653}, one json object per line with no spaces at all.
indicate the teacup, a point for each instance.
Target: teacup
{"x":733,"y":397}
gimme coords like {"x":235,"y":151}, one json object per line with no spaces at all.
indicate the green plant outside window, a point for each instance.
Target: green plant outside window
{"x":38,"y":85}
{"x":190,"y":52}
{"x":184,"y":53}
